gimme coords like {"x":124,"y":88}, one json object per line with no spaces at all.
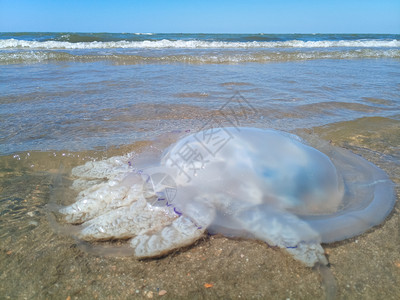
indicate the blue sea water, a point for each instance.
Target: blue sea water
{"x":78,"y":91}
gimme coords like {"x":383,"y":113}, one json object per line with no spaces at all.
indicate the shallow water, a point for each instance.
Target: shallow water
{"x":64,"y":112}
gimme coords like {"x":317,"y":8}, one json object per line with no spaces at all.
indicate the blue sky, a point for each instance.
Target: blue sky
{"x":251,"y":16}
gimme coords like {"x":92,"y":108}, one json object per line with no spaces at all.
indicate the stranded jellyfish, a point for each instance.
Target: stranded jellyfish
{"x":239,"y":182}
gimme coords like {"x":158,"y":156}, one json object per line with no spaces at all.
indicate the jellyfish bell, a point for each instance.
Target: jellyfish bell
{"x":367,"y":200}
{"x":249,"y":182}
{"x":260,"y":166}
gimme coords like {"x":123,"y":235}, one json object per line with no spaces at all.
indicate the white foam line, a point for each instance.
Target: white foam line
{"x":195,"y":44}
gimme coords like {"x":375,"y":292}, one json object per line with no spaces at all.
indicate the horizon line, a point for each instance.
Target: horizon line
{"x":178,"y":32}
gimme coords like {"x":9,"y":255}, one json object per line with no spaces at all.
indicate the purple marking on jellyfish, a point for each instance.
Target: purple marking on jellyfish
{"x":292,"y":247}
{"x":148,"y":178}
{"x":188,"y":130}
{"x":168,"y":204}
{"x":160,"y":199}
{"x":129,"y":163}
{"x":198,"y":226}
{"x":177,"y":212}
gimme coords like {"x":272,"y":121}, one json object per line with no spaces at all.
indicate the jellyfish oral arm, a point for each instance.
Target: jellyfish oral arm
{"x":183,"y":231}
{"x":285,"y":230}
{"x":180,"y":233}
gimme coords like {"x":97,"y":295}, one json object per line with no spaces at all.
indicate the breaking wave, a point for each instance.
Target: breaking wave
{"x":229,"y":57}
{"x":196,"y":44}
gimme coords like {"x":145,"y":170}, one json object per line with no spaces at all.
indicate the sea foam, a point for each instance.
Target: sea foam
{"x":196,"y":44}
{"x":225,"y":57}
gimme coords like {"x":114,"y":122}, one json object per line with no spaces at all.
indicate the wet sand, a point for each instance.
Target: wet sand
{"x":38,"y":263}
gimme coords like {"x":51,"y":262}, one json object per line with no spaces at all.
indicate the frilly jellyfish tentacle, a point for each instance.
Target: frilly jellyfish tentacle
{"x":118,"y":191}
{"x":188,"y":227}
{"x":126,"y":222}
{"x":180,"y":233}
{"x":183,"y":231}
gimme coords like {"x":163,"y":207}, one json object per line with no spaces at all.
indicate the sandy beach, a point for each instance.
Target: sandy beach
{"x":38,"y":263}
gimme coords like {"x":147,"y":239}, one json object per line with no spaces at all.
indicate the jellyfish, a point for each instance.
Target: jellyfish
{"x":236,"y":181}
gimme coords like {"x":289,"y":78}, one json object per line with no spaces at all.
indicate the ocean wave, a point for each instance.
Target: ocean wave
{"x":195,"y":44}
{"x":39,"y":56}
